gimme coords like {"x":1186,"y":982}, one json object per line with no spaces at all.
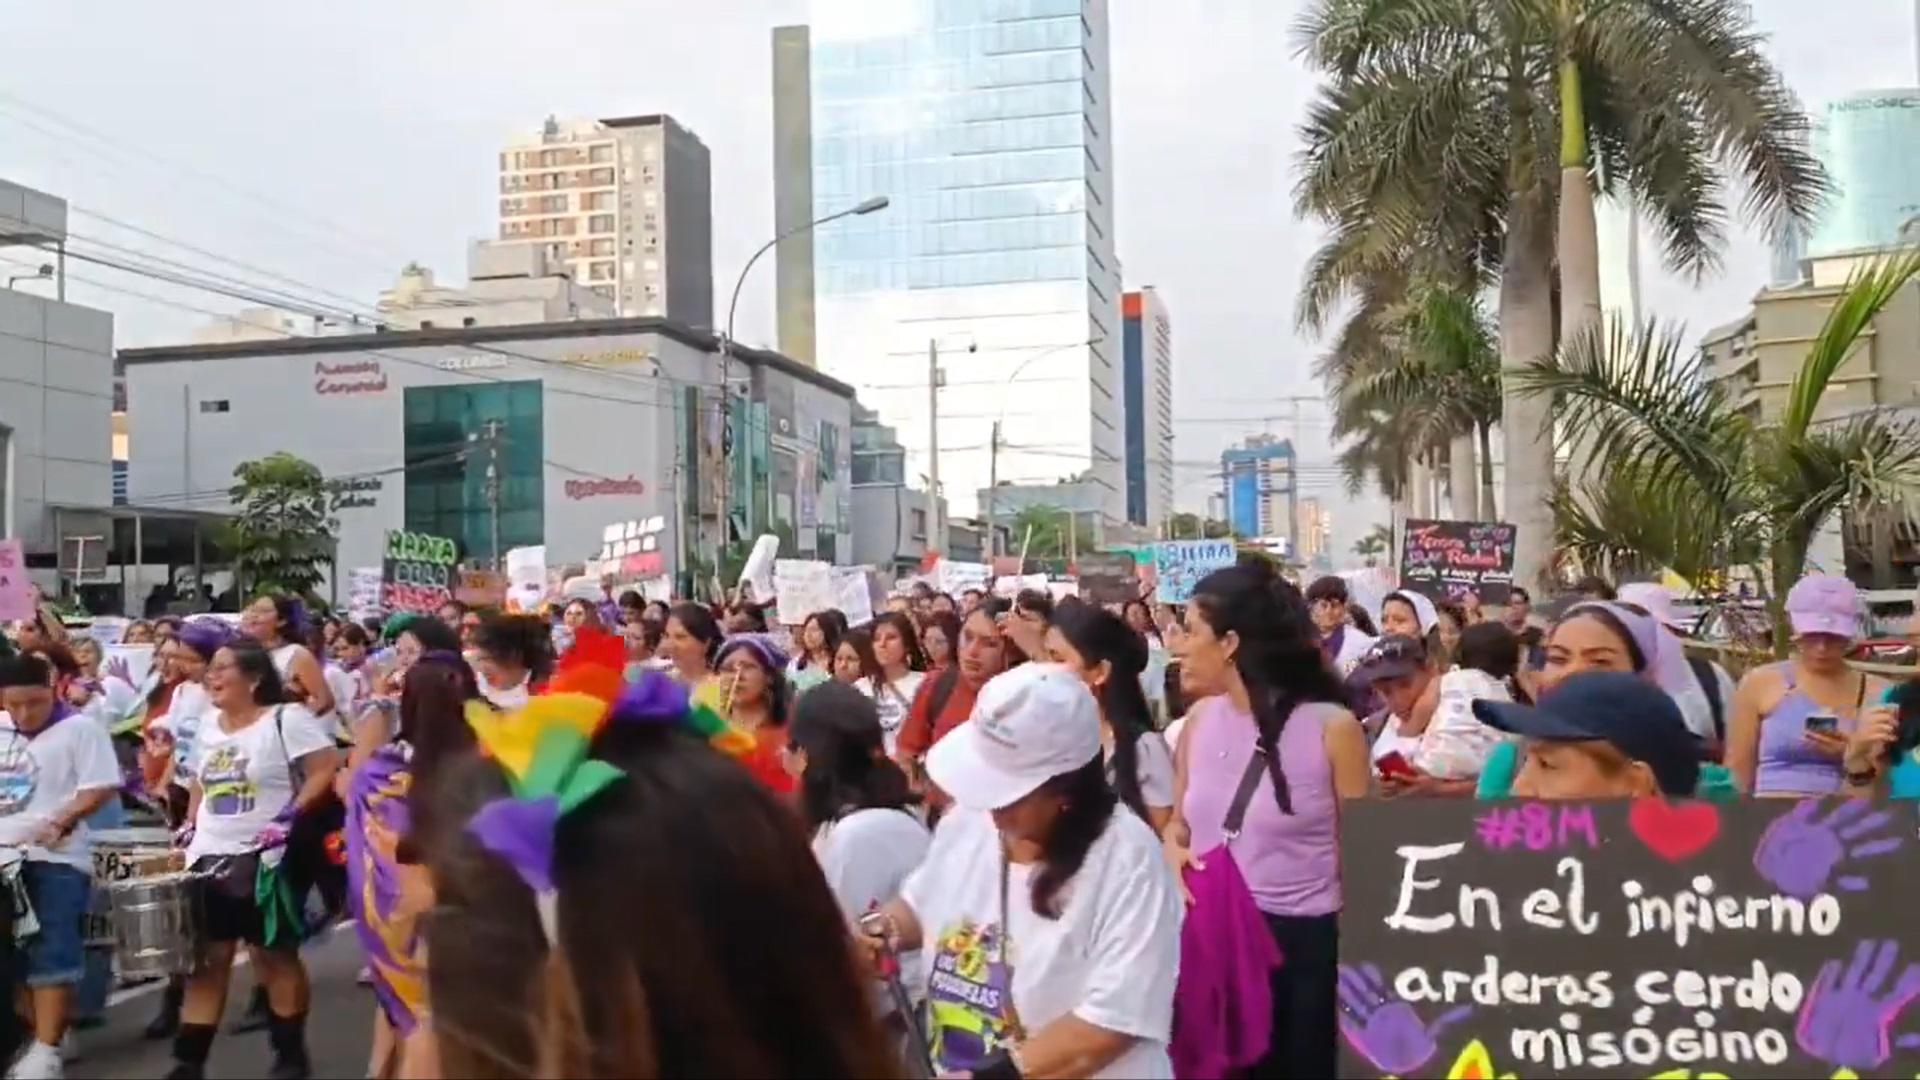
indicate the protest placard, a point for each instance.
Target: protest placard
{"x":1448,"y":559}
{"x":1108,"y":577}
{"x":757,"y":574}
{"x":802,"y":587}
{"x":1178,"y":565}
{"x":363,"y":593}
{"x":16,"y":588}
{"x":954,"y":578}
{"x":416,"y":572}
{"x":480,"y":588}
{"x":1628,"y":939}
{"x":852,"y":594}
{"x":526,"y":577}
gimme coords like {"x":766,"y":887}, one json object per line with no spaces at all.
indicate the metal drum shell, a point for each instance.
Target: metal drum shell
{"x":159,"y":923}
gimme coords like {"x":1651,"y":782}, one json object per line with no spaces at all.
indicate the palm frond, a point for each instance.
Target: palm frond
{"x":1870,"y":290}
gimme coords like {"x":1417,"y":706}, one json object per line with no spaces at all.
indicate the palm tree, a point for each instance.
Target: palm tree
{"x":1438,"y":129}
{"x":1687,"y":452}
{"x":1377,"y":542}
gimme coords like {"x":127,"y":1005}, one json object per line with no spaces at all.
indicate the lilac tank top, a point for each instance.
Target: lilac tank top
{"x":1291,"y":861}
{"x":1787,"y":765}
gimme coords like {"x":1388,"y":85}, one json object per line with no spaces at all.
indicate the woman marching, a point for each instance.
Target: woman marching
{"x":751,"y":694}
{"x":1110,"y":657}
{"x":896,"y":650}
{"x":278,"y":623}
{"x":258,"y":765}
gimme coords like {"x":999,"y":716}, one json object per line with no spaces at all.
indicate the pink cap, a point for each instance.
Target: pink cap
{"x":1824,"y":604}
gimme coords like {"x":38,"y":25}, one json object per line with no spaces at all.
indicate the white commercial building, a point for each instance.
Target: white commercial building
{"x":625,"y":203}
{"x":507,"y":285}
{"x":587,"y":424}
{"x":991,"y":136}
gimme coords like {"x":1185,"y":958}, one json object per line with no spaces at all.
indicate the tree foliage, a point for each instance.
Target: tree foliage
{"x":283,"y":534}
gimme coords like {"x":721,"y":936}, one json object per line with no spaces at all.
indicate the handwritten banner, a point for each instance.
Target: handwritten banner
{"x":802,"y":587}
{"x":1629,"y":939}
{"x":1178,"y":566}
{"x":954,"y":578}
{"x":416,"y":574}
{"x":853,"y":594}
{"x":1448,"y":559}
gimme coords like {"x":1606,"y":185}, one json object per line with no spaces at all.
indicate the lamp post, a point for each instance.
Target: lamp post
{"x":993,"y":444}
{"x":866,"y":206}
{"x":43,"y":273}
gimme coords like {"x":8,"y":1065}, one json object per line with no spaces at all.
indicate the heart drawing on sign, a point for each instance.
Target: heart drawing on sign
{"x":1674,"y":831}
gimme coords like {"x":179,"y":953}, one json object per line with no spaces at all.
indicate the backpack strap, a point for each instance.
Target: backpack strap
{"x":1703,"y":673}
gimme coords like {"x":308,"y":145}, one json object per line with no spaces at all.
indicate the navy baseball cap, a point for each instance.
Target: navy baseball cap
{"x":1637,"y":717}
{"x":1391,"y":657}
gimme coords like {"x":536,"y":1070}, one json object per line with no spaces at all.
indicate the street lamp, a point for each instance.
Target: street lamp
{"x":865,"y":206}
{"x":993,"y":443}
{"x":42,"y":274}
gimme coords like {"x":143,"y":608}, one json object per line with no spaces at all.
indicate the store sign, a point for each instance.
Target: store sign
{"x":356,"y":493}
{"x":479,"y":362}
{"x":349,"y":377}
{"x":597,"y":486}
{"x":1910,"y":102}
{"x":612,"y":356}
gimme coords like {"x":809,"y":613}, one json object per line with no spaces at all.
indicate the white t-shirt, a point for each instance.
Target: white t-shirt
{"x":185,"y":714}
{"x":1354,"y":644}
{"x":1110,"y":959}
{"x":246,"y":776}
{"x":1153,"y":764}
{"x":41,"y":774}
{"x":1390,"y":741}
{"x":892,"y":701}
{"x":866,"y":857}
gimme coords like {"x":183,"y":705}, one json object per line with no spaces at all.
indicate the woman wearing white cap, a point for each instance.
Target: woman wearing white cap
{"x":1049,"y":921}
{"x":1791,"y":721}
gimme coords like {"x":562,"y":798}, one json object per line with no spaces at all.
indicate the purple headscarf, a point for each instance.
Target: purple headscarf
{"x":770,"y":655}
{"x":204,"y":636}
{"x":1666,"y":659}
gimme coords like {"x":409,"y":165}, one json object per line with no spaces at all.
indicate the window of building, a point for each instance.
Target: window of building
{"x":596,"y":200}
{"x":650,"y":197}
{"x":426,"y":324}
{"x":222,"y":405}
{"x":600,"y":223}
{"x":919,"y":527}
{"x":600,"y":271}
{"x":600,"y":153}
{"x":652,"y":266}
{"x":449,"y":497}
{"x":602,"y":247}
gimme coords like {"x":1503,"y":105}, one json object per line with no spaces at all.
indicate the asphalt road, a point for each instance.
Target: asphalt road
{"x":338,"y":1029}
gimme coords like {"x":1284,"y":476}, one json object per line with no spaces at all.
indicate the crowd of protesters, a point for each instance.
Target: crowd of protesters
{"x":628,"y":838}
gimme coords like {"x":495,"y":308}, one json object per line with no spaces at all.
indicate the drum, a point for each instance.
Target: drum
{"x":159,"y":923}
{"x":121,"y":855}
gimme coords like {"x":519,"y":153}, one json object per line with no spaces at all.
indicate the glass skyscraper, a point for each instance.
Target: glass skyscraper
{"x":1870,"y":144}
{"x":988,"y":125}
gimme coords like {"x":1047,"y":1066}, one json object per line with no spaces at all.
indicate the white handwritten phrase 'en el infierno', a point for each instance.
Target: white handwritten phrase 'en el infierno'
{"x":1759,"y":996}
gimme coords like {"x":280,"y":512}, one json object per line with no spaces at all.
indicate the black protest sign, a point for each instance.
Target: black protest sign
{"x":1448,"y":559}
{"x":1629,"y":939}
{"x":416,"y":572}
{"x":1108,"y":577}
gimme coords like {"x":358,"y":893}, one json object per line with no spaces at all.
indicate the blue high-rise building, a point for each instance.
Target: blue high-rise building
{"x":1870,"y":144}
{"x":1147,"y":360}
{"x":987,"y":123}
{"x":1260,"y":486}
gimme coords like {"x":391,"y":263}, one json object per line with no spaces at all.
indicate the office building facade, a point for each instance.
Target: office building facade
{"x":625,"y":204}
{"x":987,"y":123}
{"x":1870,"y":143}
{"x":1260,"y":490}
{"x":1147,"y":360}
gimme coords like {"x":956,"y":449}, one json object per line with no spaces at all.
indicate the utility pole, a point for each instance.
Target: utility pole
{"x":993,"y":481}
{"x":936,"y":539}
{"x":492,"y":436}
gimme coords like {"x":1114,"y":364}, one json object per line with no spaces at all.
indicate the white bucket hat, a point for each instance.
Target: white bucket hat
{"x":1028,"y":726}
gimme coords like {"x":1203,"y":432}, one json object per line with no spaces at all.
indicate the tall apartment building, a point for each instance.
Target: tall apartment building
{"x":988,"y":125}
{"x":1147,"y":362}
{"x":625,"y":204}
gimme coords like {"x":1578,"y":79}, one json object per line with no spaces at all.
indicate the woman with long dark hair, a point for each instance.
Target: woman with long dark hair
{"x":856,"y":804}
{"x":1110,"y":657}
{"x":896,"y":649}
{"x":940,"y":637}
{"x":1275,"y":707}
{"x":279,"y":623}
{"x":388,"y":890}
{"x":258,"y":765}
{"x":691,"y":643}
{"x":513,"y":655}
{"x":745,"y":965}
{"x":1053,"y":924}
{"x":819,"y":639}
{"x":853,"y":660}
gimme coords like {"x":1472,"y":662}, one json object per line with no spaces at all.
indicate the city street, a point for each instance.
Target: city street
{"x":337,"y":1033}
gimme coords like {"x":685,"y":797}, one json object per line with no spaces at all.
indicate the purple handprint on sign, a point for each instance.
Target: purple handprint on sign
{"x":1384,"y":1030}
{"x":1846,"y":1017}
{"x":1801,"y":850}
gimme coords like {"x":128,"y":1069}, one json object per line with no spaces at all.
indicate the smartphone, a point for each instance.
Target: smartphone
{"x":1825,"y":724}
{"x":1395,"y":764}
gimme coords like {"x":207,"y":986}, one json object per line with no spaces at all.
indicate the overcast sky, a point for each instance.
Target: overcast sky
{"x":334,"y":143}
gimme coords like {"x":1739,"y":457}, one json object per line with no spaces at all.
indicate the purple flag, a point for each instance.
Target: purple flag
{"x":378,"y":794}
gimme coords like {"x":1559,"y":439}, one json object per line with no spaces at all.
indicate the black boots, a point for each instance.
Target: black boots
{"x":167,"y":1022}
{"x":190,"y":1049}
{"x":288,"y":1034}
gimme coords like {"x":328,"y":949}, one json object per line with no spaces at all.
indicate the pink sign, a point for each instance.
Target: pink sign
{"x":16,"y":588}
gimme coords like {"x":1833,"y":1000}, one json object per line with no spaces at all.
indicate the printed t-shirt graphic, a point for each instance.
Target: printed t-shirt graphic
{"x":19,"y":776}
{"x":224,"y":783}
{"x":968,"y":992}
